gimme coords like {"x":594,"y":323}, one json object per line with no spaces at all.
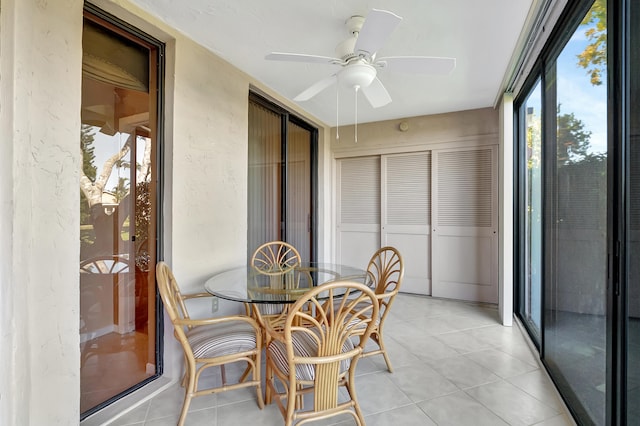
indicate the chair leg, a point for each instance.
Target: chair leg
{"x":223,"y":374}
{"x":383,"y":349}
{"x":183,"y":382}
{"x":257,"y":378}
{"x":291,"y":405}
{"x":185,"y":408}
{"x":268,"y":374}
{"x":188,"y":394}
{"x":359,"y":417}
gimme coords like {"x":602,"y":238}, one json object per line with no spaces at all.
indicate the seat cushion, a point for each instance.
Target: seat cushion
{"x":304,"y":345}
{"x":209,"y":341}
{"x":270,"y":308}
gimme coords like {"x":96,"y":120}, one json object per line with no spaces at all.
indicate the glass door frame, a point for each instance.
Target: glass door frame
{"x":156,"y":84}
{"x":618,"y":226}
{"x":521,"y":188}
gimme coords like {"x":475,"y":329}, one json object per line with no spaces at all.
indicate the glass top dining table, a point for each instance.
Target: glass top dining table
{"x":246,"y":284}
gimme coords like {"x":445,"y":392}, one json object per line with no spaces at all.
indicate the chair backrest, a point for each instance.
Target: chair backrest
{"x":386,"y":270}
{"x":337,"y":314}
{"x":275,"y":258}
{"x":172,"y":299}
{"x":109,"y":264}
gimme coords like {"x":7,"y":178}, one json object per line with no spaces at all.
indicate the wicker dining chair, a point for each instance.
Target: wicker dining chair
{"x":385,"y":270}
{"x":316,"y":351}
{"x":277,"y":260}
{"x":210,"y":342}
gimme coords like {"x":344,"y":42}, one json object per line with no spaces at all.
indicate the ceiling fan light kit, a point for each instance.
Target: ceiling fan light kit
{"x":357,"y":75}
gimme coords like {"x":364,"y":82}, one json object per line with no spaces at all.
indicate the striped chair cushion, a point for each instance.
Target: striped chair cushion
{"x":270,"y":308}
{"x":303,"y":345}
{"x":209,"y":341}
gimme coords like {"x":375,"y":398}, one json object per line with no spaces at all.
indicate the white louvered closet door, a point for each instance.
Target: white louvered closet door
{"x":358,"y":229}
{"x":465,"y":224}
{"x":406,"y":215}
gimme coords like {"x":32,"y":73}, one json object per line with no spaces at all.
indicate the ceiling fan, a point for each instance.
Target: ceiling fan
{"x":357,"y":58}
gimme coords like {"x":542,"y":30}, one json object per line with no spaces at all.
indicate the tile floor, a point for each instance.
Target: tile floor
{"x":454,"y":364}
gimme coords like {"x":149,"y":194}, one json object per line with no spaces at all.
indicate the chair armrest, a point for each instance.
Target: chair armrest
{"x":386,"y":295}
{"x":196,"y":295}
{"x":272,"y":332}
{"x":218,"y":320}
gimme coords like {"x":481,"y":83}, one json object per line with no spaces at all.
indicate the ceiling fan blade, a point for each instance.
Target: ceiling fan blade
{"x":316,"y":88}
{"x":377,"y":27}
{"x":376,"y":94}
{"x":418,"y":64}
{"x":301,"y":57}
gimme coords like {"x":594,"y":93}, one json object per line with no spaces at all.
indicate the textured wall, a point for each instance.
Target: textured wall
{"x":451,"y":129}
{"x":40,"y":67}
{"x":204,"y":207}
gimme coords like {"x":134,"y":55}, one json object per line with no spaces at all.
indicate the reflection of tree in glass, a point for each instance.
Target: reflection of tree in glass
{"x":581,"y":174}
{"x":573,"y":141}
{"x":89,"y":170}
{"x":92,"y":186}
{"x":594,"y":57}
{"x":100,"y":223}
{"x":143,"y":221}
{"x":121,"y":190}
{"x":534,"y":143}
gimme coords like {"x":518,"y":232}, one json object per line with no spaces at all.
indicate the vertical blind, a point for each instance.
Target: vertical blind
{"x":298,"y":185}
{"x":264,"y":180}
{"x":279,"y":178}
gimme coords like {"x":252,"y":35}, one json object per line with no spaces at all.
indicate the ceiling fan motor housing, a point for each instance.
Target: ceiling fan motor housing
{"x":345,"y":50}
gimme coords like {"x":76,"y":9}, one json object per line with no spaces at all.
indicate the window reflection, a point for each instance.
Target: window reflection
{"x":576,"y":252}
{"x":533,"y":201}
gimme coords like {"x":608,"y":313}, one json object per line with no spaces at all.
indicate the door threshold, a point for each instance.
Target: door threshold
{"x":128,"y":403}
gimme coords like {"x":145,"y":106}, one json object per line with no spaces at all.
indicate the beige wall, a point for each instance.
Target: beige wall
{"x":450,"y":130}
{"x":204,"y":207}
{"x":40,"y":121}
{"x":205,"y":194}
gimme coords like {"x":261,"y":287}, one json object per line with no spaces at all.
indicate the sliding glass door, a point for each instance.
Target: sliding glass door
{"x":531,"y":200}
{"x":564,"y":155}
{"x":575,"y":228}
{"x":121,"y":74}
{"x":281,"y":167}
{"x":585,"y":89}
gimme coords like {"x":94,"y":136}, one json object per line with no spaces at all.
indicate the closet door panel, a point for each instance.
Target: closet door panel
{"x":464,"y":239}
{"x":358,"y":213}
{"x":406,"y":215}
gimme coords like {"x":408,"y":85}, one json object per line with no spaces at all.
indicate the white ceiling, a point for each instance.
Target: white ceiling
{"x":481,"y":35}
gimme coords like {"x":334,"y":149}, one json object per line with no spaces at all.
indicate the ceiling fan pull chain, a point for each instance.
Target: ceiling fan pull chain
{"x":337,"y":114}
{"x":356,"y":119}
